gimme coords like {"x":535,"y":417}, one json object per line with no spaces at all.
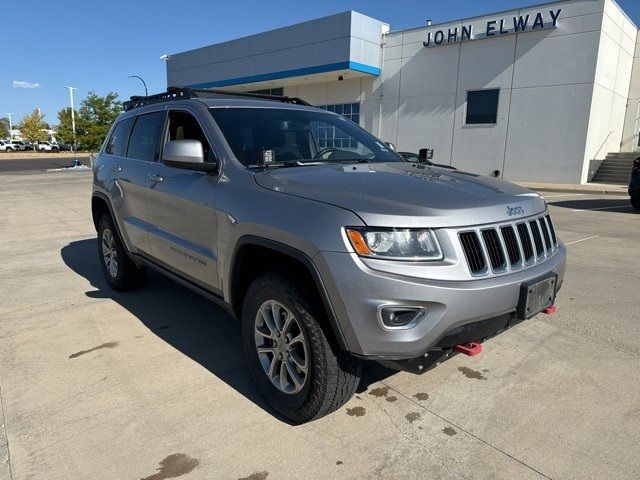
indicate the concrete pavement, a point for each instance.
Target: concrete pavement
{"x":587,"y":188}
{"x":153,"y":384}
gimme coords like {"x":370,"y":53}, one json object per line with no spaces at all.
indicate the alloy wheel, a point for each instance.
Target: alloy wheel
{"x":109,"y":252}
{"x":282,"y":347}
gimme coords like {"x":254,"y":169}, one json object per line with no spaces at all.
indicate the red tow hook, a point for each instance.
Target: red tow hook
{"x":550,"y":310}
{"x":471,"y":349}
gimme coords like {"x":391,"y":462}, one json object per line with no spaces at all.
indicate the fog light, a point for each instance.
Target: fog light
{"x":400,"y":317}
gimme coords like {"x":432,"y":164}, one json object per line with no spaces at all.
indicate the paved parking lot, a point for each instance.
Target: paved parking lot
{"x":17,"y":163}
{"x":153,"y":384}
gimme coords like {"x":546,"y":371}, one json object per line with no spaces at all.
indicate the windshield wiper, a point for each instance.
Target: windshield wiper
{"x":297,"y":163}
{"x":350,"y":160}
{"x":277,"y":165}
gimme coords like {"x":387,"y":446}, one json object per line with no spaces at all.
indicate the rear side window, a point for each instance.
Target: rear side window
{"x":143,"y":141}
{"x":117,"y":143}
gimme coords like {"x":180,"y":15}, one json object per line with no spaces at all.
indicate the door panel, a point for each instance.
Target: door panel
{"x":131,"y":186}
{"x":182,"y":222}
{"x":181,"y":208}
{"x":127,"y":187}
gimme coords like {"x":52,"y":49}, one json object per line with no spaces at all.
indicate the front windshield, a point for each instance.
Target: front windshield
{"x":291,"y":136}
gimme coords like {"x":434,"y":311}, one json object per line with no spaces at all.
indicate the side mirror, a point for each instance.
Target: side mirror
{"x":187,"y":154}
{"x":390,"y":145}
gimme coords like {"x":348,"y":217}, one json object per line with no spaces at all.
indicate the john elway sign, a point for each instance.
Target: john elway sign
{"x":494,"y":28}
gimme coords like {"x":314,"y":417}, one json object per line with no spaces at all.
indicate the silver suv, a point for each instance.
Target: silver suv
{"x":327,"y":246}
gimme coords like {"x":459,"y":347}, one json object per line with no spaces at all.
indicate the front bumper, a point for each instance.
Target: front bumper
{"x":356,"y":291}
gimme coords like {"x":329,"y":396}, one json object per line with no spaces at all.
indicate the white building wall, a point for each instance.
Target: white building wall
{"x":546,"y":80}
{"x":611,"y":88}
{"x":631,"y":124}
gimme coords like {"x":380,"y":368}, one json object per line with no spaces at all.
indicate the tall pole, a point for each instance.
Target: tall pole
{"x":146,"y":93}
{"x":73,"y":125}
{"x":10,"y":125}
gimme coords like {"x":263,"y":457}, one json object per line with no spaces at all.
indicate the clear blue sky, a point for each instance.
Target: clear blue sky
{"x":95,"y":45}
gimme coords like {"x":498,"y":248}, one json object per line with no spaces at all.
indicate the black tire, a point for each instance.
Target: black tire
{"x":128,"y":275}
{"x":333,"y":374}
{"x":635,"y":202}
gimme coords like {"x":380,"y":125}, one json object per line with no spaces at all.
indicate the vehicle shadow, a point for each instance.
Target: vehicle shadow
{"x":597,"y":204}
{"x":193,"y":325}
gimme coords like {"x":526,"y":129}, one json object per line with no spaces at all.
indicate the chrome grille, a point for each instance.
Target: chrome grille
{"x":473,"y":252}
{"x":526,"y":242}
{"x":510,"y":246}
{"x":537,"y":238}
{"x":552,"y":230}
{"x":494,"y":249}
{"x":545,"y":234}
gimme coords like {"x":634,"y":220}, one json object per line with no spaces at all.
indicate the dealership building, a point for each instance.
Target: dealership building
{"x":540,"y":94}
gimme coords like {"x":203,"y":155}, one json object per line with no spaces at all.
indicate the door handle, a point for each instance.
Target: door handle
{"x":155,"y":178}
{"x":116,"y":168}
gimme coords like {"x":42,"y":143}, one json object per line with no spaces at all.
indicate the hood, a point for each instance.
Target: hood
{"x":407,"y":195}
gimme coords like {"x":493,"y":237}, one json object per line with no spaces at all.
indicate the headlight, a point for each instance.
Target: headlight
{"x":395,"y":244}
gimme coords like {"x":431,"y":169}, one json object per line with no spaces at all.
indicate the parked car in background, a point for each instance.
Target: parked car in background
{"x":415,"y":158}
{"x":47,"y":147}
{"x":22,"y":145}
{"x":634,"y":184}
{"x":64,"y":147}
{"x":6,"y":146}
{"x":28,"y":145}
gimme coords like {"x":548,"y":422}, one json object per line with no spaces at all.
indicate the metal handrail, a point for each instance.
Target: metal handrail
{"x":603,"y":144}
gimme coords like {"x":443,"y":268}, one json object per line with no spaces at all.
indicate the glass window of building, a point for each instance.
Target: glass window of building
{"x":331,"y":137}
{"x":482,"y":107}
{"x":269,"y":91}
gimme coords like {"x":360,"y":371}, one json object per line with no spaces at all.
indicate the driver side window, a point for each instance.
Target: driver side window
{"x":184,"y":126}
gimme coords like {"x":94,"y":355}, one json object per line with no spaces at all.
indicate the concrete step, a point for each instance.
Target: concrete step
{"x":623,"y":154}
{"x":615,"y":169}
{"x":615,"y":179}
{"x":625,"y":163}
{"x":607,"y":171}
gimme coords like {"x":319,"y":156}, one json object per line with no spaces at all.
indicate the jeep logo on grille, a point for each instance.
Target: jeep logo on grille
{"x":512,"y":211}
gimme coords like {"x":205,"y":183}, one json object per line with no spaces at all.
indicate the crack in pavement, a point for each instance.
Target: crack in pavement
{"x":469,"y":433}
{"x":4,"y":427}
{"x":414,"y":440}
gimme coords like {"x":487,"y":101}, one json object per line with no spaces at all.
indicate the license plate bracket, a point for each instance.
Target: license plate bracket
{"x":536,"y":295}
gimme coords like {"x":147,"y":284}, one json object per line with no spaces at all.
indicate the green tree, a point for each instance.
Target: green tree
{"x":4,"y":128}
{"x":32,"y":126}
{"x":95,"y":117}
{"x":64,"y":132}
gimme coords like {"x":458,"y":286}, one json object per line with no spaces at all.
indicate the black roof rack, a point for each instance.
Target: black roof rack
{"x":183,"y":93}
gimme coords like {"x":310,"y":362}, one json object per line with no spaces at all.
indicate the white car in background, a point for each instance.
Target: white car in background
{"x":6,"y":146}
{"x":47,"y":147}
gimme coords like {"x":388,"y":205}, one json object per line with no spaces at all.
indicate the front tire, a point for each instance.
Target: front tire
{"x":118,"y":269}
{"x":296,"y":364}
{"x":635,"y":202}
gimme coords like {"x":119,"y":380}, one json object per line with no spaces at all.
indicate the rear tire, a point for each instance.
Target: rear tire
{"x":330,"y":375}
{"x":635,"y":202}
{"x":118,"y":269}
